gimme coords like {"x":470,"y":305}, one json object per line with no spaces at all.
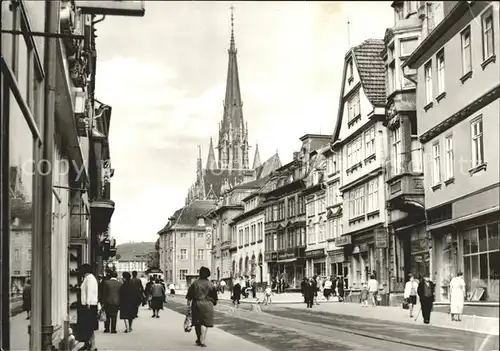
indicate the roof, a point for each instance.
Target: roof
{"x":134,"y":251}
{"x":271,"y":164}
{"x":187,"y":217}
{"x":371,"y":70}
{"x":215,"y":178}
{"x":255,"y":184}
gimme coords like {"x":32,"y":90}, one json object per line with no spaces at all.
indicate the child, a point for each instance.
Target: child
{"x":364,"y":295}
{"x":268,"y":292}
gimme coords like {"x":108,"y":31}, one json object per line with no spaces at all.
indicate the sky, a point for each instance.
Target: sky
{"x":164,"y":76}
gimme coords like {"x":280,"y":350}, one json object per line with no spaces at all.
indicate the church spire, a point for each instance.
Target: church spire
{"x":233,"y":143}
{"x":256,"y":159}
{"x":211,"y":163}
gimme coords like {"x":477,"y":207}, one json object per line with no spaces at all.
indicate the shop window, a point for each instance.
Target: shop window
{"x":419,"y":251}
{"x":482,"y":261}
{"x":449,"y":262}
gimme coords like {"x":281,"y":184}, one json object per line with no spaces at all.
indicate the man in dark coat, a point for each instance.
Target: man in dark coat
{"x":426,"y":292}
{"x":310,"y":289}
{"x":110,"y":300}
{"x":303,"y":287}
{"x":138,"y":285}
{"x":236,"y":296}
{"x":147,"y":291}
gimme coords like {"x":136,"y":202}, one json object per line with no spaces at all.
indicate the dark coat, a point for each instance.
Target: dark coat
{"x":140,"y":289}
{"x":128,"y":298}
{"x":421,"y":290}
{"x":310,"y":290}
{"x":236,"y":292}
{"x":203,"y":296}
{"x":111,"y":292}
{"x":27,"y":298}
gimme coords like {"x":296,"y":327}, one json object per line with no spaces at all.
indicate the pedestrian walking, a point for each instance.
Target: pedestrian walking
{"x":140,"y":289}
{"x":243,"y":285}
{"x":373,"y":290}
{"x":110,"y":300}
{"x":202,"y":296}
{"x":87,"y":318}
{"x":236,"y":295}
{"x":426,"y":291}
{"x":316,"y":289}
{"x":327,"y":289}
{"x":310,"y":290}
{"x":340,"y":288}
{"x":410,"y":293}
{"x":457,"y":297}
{"x":157,"y":298}
{"x":303,"y":287}
{"x":254,"y":289}
{"x":364,"y":295}
{"x":222,"y":286}
{"x":267,"y":295}
{"x":171,"y":288}
{"x":128,"y":305}
{"x":147,"y":291}
{"x":27,"y":298}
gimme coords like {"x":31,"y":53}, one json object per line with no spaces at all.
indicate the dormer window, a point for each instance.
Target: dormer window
{"x":350,"y":71}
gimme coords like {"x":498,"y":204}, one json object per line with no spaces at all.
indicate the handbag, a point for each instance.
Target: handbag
{"x":188,"y":321}
{"x":406,"y":305}
{"x":102,"y":315}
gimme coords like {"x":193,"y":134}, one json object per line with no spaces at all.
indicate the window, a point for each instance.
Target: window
{"x":448,"y":145}
{"x":481,"y":257}
{"x":183,"y":254}
{"x":247,"y":236}
{"x":440,"y":72}
{"x":436,"y":164}
{"x":353,"y":107}
{"x":261,"y":231}
{"x":200,"y":254}
{"x":357,"y":197}
{"x":301,"y":205}
{"x":354,"y":153}
{"x":311,"y":234}
{"x":370,"y":142}
{"x":428,"y":82}
{"x":429,"y":9}
{"x":281,"y":212}
{"x":466,"y":51}
{"x":321,"y":205}
{"x":17,"y":255}
{"x":28,"y":257}
{"x":183,"y":235}
{"x":275,"y":212}
{"x":396,"y":150}
{"x":240,"y":234}
{"x":407,"y":46}
{"x":416,"y":155}
{"x":350,"y":71}
{"x":321,"y":228}
{"x":477,"y":142}
{"x":254,"y":233}
{"x":182,"y":274}
{"x":373,"y":204}
{"x":291,"y":207}
{"x":201,"y":235}
{"x":488,"y":36}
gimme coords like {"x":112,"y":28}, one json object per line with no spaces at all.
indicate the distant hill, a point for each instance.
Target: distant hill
{"x":134,"y":251}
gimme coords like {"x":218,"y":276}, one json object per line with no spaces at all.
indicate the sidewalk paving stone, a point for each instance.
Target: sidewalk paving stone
{"x":167,"y":333}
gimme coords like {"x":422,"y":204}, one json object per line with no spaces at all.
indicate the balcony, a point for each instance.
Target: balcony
{"x":406,"y":191}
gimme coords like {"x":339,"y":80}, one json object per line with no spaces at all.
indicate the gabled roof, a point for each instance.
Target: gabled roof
{"x":187,"y":217}
{"x":271,"y":164}
{"x":371,"y":70}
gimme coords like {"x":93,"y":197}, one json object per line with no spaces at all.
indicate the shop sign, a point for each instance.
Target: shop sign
{"x":270,"y":256}
{"x":343,"y":240}
{"x":381,"y":238}
{"x":286,"y":255}
{"x":336,"y":256}
{"x":315,"y":253}
{"x":360,"y":248}
{"x":274,"y":256}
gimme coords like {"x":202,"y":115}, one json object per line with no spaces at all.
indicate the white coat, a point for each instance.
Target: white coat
{"x":457,"y":295}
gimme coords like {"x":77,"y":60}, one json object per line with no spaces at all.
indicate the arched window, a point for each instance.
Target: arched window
{"x":246,"y":266}
{"x":253,"y":263}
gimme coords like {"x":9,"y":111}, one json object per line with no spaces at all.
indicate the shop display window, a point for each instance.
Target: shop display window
{"x":420,"y":257}
{"x":482,"y":261}
{"x":449,"y":262}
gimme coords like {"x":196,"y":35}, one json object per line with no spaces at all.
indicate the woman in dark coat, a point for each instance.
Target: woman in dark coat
{"x":236,"y":297}
{"x":128,"y":302}
{"x":27,"y":299}
{"x":203,"y":297}
{"x":157,"y":298}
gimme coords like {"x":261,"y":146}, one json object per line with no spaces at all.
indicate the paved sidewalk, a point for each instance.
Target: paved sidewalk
{"x":167,"y":333}
{"x":283,"y":298}
{"x":486,"y":325}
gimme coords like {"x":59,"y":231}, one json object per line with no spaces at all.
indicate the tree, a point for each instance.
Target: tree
{"x":153,"y":257}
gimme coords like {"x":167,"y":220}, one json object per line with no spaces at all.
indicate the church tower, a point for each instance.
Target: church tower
{"x":233,"y":132}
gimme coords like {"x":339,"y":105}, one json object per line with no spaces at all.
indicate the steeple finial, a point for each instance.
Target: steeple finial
{"x":232,"y":45}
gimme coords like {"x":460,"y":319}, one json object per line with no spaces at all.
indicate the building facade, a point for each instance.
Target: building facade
{"x":315,"y":199}
{"x":404,"y":169}
{"x":359,"y":137}
{"x":186,"y":243}
{"x":457,"y":106}
{"x":247,"y":235}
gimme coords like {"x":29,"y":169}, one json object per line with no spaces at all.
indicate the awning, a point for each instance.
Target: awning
{"x":101,"y":212}
{"x":287,"y":260}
